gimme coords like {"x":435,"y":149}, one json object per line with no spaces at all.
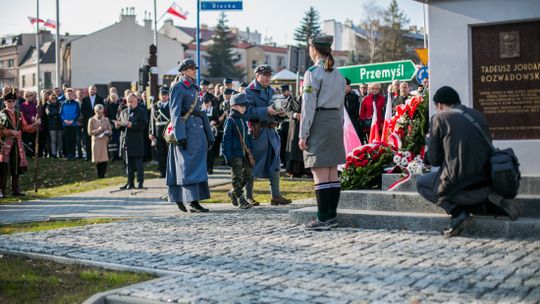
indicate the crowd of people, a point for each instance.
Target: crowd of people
{"x":257,"y":131}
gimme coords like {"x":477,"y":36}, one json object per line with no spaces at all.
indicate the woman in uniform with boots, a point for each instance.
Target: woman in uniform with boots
{"x":187,"y":177}
{"x":321,"y":129}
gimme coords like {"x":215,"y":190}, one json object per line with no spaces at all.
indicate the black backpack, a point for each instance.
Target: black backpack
{"x":505,"y":174}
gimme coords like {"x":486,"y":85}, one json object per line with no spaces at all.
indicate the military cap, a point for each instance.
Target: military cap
{"x":285,"y":87}
{"x":10,"y":96}
{"x":164,"y":91}
{"x":204,"y":82}
{"x":348,"y":81}
{"x":243,"y":85}
{"x":227,"y":81}
{"x":263,"y":69}
{"x":186,"y":64}
{"x":321,"y":39}
{"x":238,"y":99}
{"x":228,"y":91}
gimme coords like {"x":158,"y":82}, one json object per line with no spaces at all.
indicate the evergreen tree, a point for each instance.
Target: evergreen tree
{"x":394,"y":45}
{"x":310,"y":25}
{"x":220,"y":57}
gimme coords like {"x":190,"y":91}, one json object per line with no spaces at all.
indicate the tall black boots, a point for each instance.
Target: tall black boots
{"x":101,"y":169}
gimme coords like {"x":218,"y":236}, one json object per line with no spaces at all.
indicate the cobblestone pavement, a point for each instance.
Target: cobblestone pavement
{"x":256,"y":256}
{"x":107,"y":202}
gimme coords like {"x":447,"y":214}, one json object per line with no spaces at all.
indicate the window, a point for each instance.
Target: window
{"x":1,"y":64}
{"x":10,"y":63}
{"x":48,"y":80}
{"x":33,"y":79}
{"x":254,"y":63}
{"x":280,"y":60}
{"x":23,"y":81}
{"x":267,"y":59}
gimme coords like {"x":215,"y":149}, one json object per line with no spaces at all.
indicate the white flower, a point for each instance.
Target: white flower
{"x":404,"y":162}
{"x":407,"y":154}
{"x":397,"y":159}
{"x":412,"y":167}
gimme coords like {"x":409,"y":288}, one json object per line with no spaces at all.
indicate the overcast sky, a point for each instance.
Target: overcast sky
{"x":274,"y":18}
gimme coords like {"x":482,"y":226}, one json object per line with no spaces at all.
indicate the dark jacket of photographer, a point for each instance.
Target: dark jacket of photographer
{"x":460,"y":150}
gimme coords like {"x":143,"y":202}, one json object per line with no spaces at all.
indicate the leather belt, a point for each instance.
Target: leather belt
{"x":325,"y":109}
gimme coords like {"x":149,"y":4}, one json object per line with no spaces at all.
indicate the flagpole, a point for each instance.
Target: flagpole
{"x":198,"y":43}
{"x":57,"y":45}
{"x":37,"y":49}
{"x":155,"y":24}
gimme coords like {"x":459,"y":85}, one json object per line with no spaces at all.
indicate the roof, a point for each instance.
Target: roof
{"x":10,"y":40}
{"x":206,"y":34}
{"x":274,"y":49}
{"x":284,"y":75}
{"x":47,"y":54}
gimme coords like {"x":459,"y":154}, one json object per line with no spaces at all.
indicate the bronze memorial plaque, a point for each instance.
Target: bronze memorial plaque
{"x":506,"y":78}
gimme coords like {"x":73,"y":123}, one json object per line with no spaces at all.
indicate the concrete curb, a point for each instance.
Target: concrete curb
{"x":104,"y":297}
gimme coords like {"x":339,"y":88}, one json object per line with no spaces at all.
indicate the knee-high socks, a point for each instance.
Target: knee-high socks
{"x":327,"y":196}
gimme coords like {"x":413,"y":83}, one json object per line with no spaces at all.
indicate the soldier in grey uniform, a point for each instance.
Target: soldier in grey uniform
{"x":321,"y":129}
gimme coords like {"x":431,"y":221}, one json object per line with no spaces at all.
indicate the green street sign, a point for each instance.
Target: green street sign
{"x":379,"y":72}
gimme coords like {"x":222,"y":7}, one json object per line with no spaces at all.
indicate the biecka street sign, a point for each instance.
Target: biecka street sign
{"x":379,"y":72}
{"x":219,"y":5}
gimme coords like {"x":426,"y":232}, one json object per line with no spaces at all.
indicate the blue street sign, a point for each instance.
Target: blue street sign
{"x":422,"y":74}
{"x":217,"y":5}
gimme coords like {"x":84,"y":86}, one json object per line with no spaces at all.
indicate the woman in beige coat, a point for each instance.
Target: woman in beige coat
{"x":99,"y":128}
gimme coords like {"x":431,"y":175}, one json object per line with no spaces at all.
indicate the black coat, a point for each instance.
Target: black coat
{"x":133,"y":138}
{"x":87,"y":111}
{"x":352,"y":105}
{"x":293,"y":152}
{"x":52,"y":112}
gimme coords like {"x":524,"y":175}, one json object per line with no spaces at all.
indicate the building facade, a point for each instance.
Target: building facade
{"x":115,"y":53}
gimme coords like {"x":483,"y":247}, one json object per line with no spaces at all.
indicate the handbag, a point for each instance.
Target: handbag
{"x":250,"y":156}
{"x":505,"y":174}
{"x":168,"y":133}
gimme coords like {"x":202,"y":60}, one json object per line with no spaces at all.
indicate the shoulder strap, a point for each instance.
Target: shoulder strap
{"x":241,"y":137}
{"x":471,"y":119}
{"x":191,"y":108}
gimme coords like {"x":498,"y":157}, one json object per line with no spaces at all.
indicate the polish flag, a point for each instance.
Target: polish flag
{"x":374,"y":131}
{"x":387,"y":117}
{"x":50,"y":24}
{"x":34,"y":20}
{"x":350,"y":138}
{"x":177,"y":11}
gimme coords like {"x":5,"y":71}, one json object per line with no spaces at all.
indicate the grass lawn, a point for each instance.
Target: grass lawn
{"x":23,"y":280}
{"x":50,"y":225}
{"x":59,"y":177}
{"x":294,"y":190}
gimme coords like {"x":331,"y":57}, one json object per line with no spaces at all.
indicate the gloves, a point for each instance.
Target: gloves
{"x":183,"y":143}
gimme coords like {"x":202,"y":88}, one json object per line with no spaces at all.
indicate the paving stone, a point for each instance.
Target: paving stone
{"x":229,"y":256}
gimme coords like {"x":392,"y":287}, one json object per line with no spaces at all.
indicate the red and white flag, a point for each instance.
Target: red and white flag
{"x":34,"y":20}
{"x":374,"y":132}
{"x":50,"y":24}
{"x":387,"y":117}
{"x":177,"y":11}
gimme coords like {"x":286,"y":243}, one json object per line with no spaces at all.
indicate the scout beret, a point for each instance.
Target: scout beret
{"x":285,"y":87}
{"x":243,"y":85}
{"x":321,"y":39}
{"x":263,"y":69}
{"x":238,"y":99}
{"x":227,"y":81}
{"x":164,"y":91}
{"x":446,"y":95}
{"x":186,"y":64}
{"x":228,"y":91}
{"x":10,"y":96}
{"x":205,"y":82}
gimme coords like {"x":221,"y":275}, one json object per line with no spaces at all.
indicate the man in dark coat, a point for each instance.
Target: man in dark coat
{"x":462,"y":154}
{"x":133,"y":139}
{"x":352,"y":105}
{"x":87,"y":111}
